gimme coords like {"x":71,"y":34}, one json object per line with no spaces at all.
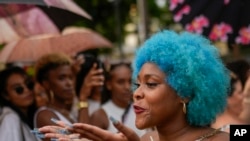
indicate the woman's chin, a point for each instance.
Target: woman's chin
{"x":141,"y":125}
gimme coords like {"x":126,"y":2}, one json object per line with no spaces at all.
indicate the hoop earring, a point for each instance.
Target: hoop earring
{"x":184,"y":107}
{"x":51,"y":96}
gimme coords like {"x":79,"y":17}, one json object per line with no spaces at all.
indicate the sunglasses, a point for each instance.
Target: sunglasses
{"x":20,"y":89}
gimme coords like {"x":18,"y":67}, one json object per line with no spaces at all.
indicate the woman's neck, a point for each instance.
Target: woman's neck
{"x":60,"y":105}
{"x":24,"y":111}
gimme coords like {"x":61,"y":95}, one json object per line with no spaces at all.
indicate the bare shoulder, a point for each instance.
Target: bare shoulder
{"x":44,"y":118}
{"x":220,"y":136}
{"x":149,"y":136}
{"x":99,"y":118}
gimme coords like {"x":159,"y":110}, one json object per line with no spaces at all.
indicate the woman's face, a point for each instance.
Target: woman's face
{"x":120,"y":85}
{"x":61,"y":83}
{"x":155,"y":102}
{"x":19,"y":91}
{"x":40,"y":95}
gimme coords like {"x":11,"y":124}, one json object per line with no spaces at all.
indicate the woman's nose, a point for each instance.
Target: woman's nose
{"x":138,"y":94}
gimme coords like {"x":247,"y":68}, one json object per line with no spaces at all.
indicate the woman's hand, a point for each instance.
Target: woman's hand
{"x":94,"y":78}
{"x":81,"y":131}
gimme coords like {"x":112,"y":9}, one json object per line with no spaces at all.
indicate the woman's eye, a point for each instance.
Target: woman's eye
{"x":136,"y":85}
{"x":150,"y":85}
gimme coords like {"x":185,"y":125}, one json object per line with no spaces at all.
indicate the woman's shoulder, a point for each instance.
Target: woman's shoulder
{"x":215,"y":135}
{"x":219,"y":136}
{"x":8,"y":114}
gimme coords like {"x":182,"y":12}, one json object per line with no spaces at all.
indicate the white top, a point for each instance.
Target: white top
{"x":12,"y":128}
{"x":113,"y":110}
{"x":58,"y":114}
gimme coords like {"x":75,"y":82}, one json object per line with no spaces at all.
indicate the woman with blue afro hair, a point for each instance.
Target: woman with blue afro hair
{"x":191,"y":69}
{"x":181,"y":86}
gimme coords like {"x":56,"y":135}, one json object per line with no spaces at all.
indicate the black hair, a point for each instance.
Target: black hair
{"x":4,"y":76}
{"x":90,"y":59}
{"x":106,"y":94}
{"x":240,"y":67}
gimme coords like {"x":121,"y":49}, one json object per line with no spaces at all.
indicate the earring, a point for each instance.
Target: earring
{"x":51,"y":96}
{"x":184,"y":107}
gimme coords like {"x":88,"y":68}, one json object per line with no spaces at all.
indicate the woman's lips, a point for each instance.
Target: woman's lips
{"x":138,"y":109}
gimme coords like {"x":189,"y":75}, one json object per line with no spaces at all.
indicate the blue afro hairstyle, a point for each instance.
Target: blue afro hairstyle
{"x":194,"y":70}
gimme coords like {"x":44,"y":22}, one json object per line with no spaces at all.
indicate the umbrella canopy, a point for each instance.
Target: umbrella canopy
{"x":20,"y":21}
{"x":70,"y":42}
{"x":63,"y":4}
{"x":220,"y":20}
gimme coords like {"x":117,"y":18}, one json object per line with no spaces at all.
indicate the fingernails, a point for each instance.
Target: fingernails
{"x":54,"y":120}
{"x":114,"y":121}
{"x":63,"y":131}
{"x":37,"y":133}
{"x":69,"y":125}
{"x":41,"y":136}
{"x":54,"y":139}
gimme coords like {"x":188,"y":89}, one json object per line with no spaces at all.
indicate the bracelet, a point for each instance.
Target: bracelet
{"x":82,"y":104}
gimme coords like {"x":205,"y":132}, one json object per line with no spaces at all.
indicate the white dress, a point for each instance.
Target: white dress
{"x":12,"y":128}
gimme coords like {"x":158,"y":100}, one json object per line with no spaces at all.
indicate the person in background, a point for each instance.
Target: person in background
{"x":55,"y":74}
{"x":115,"y":98}
{"x":90,"y":77}
{"x":181,"y":85}
{"x":18,"y":105}
{"x":245,"y":113}
{"x":238,"y":75}
{"x":241,"y":68}
{"x":40,"y":95}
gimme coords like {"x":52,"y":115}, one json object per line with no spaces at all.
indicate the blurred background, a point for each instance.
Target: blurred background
{"x":123,"y":24}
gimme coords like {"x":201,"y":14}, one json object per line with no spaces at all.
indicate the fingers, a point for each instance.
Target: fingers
{"x":92,"y":132}
{"x":62,"y":136}
{"x":60,"y":123}
{"x":129,"y":133}
{"x":50,"y":129}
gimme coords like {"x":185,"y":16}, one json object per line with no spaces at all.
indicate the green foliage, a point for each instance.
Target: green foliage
{"x":103,"y":14}
{"x":111,"y":25}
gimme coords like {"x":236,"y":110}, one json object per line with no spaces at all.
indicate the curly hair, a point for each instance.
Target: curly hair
{"x":49,"y":62}
{"x":194,"y":70}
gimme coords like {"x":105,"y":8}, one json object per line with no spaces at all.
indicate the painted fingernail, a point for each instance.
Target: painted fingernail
{"x":63,"y":131}
{"x":41,"y":136}
{"x":69,"y":125}
{"x":54,"y":139}
{"x":35,"y":131}
{"x":54,"y":120}
{"x":114,"y":121}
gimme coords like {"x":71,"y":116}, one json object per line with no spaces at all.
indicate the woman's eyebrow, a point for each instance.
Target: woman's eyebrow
{"x":149,"y":75}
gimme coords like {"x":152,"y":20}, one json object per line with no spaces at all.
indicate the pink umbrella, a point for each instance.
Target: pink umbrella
{"x":19,"y":20}
{"x":71,"y":41}
{"x":30,"y":21}
{"x":63,"y":4}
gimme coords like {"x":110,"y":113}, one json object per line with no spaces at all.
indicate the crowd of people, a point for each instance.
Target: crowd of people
{"x":177,"y":88}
